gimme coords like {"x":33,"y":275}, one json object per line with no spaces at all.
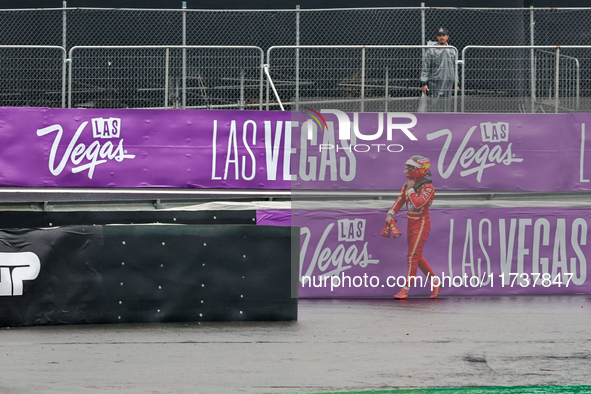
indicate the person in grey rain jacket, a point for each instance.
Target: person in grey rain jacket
{"x":438,"y":74}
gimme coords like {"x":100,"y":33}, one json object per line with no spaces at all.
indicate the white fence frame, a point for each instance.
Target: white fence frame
{"x":362,"y":49}
{"x":166,"y":70}
{"x":556,"y":48}
{"x":69,"y":58}
{"x":64,"y":61}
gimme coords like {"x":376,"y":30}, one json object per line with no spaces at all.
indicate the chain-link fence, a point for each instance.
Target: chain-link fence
{"x":166,"y":77}
{"x":534,"y":79}
{"x":355,"y":78}
{"x":70,"y":27}
{"x":32,"y":76}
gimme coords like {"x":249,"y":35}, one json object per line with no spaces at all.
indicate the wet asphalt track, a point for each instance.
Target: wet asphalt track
{"x":336,"y":345}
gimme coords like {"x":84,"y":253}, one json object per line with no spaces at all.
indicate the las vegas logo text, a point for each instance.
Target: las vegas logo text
{"x":327,"y":261}
{"x":472,"y":160}
{"x":108,"y":145}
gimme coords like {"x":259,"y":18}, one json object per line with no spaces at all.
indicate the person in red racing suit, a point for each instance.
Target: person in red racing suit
{"x":418,"y":194}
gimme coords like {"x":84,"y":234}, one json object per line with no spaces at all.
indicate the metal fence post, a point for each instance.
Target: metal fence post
{"x":455,"y":87}
{"x":184,"y":99}
{"x":386,"y":88}
{"x":241,"y":101}
{"x":264,"y":68}
{"x":532,"y":59}
{"x":463,"y":88}
{"x":423,"y":30}
{"x":577,"y":102}
{"x":297,"y":60}
{"x":423,"y":37}
{"x":362,"y":109}
{"x":261,"y":76}
{"x":64,"y":43}
{"x":70,"y":78}
{"x":64,"y":77}
{"x":556,"y":80}
{"x":166,"y":67}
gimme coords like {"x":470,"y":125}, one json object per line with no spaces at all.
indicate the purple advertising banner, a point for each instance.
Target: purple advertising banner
{"x":142,"y":148}
{"x":44,"y":147}
{"x":475,"y":251}
{"x":513,"y":152}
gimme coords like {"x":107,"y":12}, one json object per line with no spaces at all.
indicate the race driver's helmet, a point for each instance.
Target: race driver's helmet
{"x":417,"y":167}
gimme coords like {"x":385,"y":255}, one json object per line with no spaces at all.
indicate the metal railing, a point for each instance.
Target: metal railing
{"x":567,"y":72}
{"x":365,"y":78}
{"x":534,"y":87}
{"x":33,"y":76}
{"x":83,"y":26}
{"x":359,"y":78}
{"x":159,"y":76}
{"x":25,"y":83}
{"x":526,"y":79}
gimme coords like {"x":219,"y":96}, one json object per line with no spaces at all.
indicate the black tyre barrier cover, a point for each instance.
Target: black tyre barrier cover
{"x":147,"y":273}
{"x":20,"y":219}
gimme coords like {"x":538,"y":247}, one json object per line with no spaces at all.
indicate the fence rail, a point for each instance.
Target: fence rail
{"x":527,"y":78}
{"x":210,"y":77}
{"x":33,"y":75}
{"x":372,"y":78}
{"x":365,"y":78}
{"x":532,"y":80}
